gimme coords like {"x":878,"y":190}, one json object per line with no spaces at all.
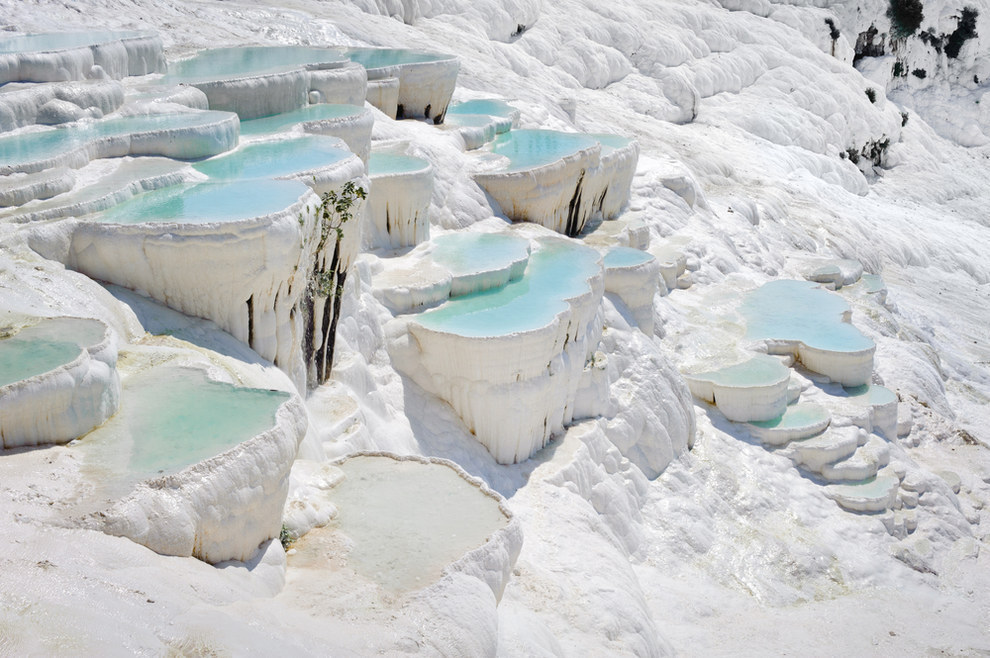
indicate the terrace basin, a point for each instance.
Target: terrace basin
{"x":196,"y":466}
{"x":398,"y":202}
{"x":481,"y":261}
{"x":426,"y":80}
{"x":634,"y":275}
{"x":350,"y":123}
{"x":58,"y":380}
{"x":802,"y":319}
{"x":755,"y":390}
{"x":60,"y":56}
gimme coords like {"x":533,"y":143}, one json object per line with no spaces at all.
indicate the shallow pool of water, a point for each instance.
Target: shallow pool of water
{"x":796,"y":416}
{"x":468,"y":253}
{"x":611,"y":142}
{"x":801,"y":311}
{"x":390,"y":163}
{"x":487,"y":106}
{"x":279,"y":122}
{"x":408,"y":519}
{"x":221,"y":63}
{"x":374,"y":58}
{"x":526,"y":149}
{"x":871,"y":395}
{"x":558,"y":270}
{"x":41,"y":145}
{"x":272,"y":159}
{"x":201,"y":203}
{"x":761,"y":370}
{"x":45,"y":346}
{"x":626,"y":257}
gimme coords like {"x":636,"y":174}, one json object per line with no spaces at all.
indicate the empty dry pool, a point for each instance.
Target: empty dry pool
{"x":409,"y":518}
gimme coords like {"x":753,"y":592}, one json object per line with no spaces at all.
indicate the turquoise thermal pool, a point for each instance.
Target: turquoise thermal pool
{"x":759,"y":371}
{"x":172,"y":417}
{"x":796,"y":416}
{"x":376,"y":58}
{"x":557,"y":271}
{"x":611,"y":142}
{"x":469,"y":253}
{"x":202,"y":203}
{"x":486,"y":106}
{"x":409,"y":519}
{"x":380,"y":164}
{"x":275,"y":158}
{"x":801,"y":311}
{"x":41,"y":145}
{"x":626,"y":257}
{"x":52,"y":41}
{"x":223,"y":63}
{"x":45,"y":346}
{"x":869,"y":394}
{"x":527,"y":149}
{"x":286,"y":120}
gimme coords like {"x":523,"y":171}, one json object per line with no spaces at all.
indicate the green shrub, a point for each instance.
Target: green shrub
{"x":871,"y":93}
{"x":966,"y":29}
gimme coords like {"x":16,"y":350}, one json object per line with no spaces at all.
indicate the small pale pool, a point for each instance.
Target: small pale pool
{"x":611,"y":142}
{"x":409,"y":519}
{"x":868,"y":394}
{"x":202,"y":203}
{"x":557,"y":271}
{"x":376,"y":58}
{"x":801,"y":311}
{"x":280,"y":122}
{"x":761,"y":370}
{"x":42,"y":347}
{"x":273,"y":159}
{"x":221,"y":63}
{"x":796,"y":416}
{"x":380,"y":164}
{"x":172,"y":417}
{"x":41,"y":145}
{"x":487,"y":106}
{"x":469,"y":253}
{"x":626,"y":257}
{"x":527,"y":149}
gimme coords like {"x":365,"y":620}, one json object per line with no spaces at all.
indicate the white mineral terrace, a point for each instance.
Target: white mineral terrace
{"x":523,"y":346}
{"x":480,"y":121}
{"x":633,"y":275}
{"x":426,"y":80}
{"x":55,"y":103}
{"x":181,"y":135}
{"x":58,"y":380}
{"x":59,"y":56}
{"x":194,"y":467}
{"x":262,"y":81}
{"x":755,"y":390}
{"x":481,"y":261}
{"x":398,"y":201}
{"x":408,"y":520}
{"x":802,"y":319}
{"x":560,"y":180}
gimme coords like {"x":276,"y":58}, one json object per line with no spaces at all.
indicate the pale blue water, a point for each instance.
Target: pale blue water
{"x":286,"y":120}
{"x":527,"y":149}
{"x":487,"y":106}
{"x":41,"y":145}
{"x":557,"y":271}
{"x":796,"y":416}
{"x":874,"y":487}
{"x":626,"y":257}
{"x":761,"y":370}
{"x":374,"y":58}
{"x":45,"y":346}
{"x":50,"y":41}
{"x":801,"y":311}
{"x":873,"y":283}
{"x":272,"y":159}
{"x":468,"y":120}
{"x":178,"y":417}
{"x":466,"y":253}
{"x":388,"y":163}
{"x":200,"y":203}
{"x":221,"y":63}
{"x":611,"y":142}
{"x":870,"y":394}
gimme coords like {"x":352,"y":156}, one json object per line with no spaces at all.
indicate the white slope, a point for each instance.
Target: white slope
{"x":742,"y":114}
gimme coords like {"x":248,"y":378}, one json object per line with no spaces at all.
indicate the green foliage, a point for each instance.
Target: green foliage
{"x":921,"y":74}
{"x":905,"y":17}
{"x":965,"y":29}
{"x":833,"y":31}
{"x":871,"y":93}
{"x":899,"y":70}
{"x":904,"y":119}
{"x":334,"y":211}
{"x":284,"y":537}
